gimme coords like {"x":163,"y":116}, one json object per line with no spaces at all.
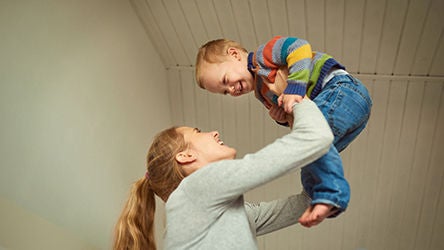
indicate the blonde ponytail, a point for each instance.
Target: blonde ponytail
{"x":135,"y":227}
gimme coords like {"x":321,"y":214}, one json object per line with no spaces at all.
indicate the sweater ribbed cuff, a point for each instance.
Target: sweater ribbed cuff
{"x":296,"y":89}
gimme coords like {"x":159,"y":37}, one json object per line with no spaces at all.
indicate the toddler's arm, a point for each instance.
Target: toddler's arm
{"x":296,"y":54}
{"x":287,"y":101}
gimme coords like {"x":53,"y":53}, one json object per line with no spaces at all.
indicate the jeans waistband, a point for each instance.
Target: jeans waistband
{"x":334,"y":72}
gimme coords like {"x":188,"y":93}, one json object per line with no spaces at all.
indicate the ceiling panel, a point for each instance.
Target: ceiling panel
{"x":396,"y":47}
{"x":371,"y":37}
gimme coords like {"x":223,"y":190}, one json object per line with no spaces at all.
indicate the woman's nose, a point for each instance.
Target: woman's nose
{"x":215,"y":133}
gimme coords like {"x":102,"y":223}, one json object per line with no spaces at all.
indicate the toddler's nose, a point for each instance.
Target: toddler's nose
{"x":231,"y":89}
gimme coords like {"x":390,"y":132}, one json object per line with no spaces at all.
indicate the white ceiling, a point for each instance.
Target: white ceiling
{"x":393,"y":37}
{"x":379,"y":41}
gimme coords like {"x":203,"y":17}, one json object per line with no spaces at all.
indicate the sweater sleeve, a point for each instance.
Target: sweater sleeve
{"x":295,"y":53}
{"x":219,"y":184}
{"x":267,"y":217}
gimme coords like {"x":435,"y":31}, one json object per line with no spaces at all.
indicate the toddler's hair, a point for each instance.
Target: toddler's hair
{"x":214,"y":52}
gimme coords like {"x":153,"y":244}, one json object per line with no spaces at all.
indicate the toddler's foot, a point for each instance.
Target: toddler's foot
{"x":316,"y":214}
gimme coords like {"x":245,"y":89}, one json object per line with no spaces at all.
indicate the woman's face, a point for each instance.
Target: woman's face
{"x":207,"y":146}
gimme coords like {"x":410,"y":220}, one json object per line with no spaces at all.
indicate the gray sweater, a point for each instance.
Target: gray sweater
{"x":207,"y":210}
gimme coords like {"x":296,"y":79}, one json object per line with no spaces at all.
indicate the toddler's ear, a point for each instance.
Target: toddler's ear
{"x":234,"y":52}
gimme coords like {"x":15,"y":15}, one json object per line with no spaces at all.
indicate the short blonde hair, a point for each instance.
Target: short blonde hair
{"x":213,"y":52}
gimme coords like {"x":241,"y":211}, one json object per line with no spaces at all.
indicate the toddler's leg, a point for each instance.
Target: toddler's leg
{"x":346,"y":105}
{"x":325,"y":183}
{"x":315,"y":214}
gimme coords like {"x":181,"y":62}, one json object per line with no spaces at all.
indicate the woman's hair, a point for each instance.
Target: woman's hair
{"x":214,"y":52}
{"x":135,"y":227}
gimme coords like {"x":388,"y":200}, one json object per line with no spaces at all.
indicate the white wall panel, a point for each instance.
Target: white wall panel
{"x":203,"y":118}
{"x":257,"y":114}
{"x":170,"y":35}
{"x":261,"y":21}
{"x":153,"y":29}
{"x":377,"y":125}
{"x":430,"y":38}
{"x":315,"y":16}
{"x":421,"y":158}
{"x":214,"y":109}
{"x":297,"y":22}
{"x":438,"y":59}
{"x":188,"y":98}
{"x":388,"y":159}
{"x":353,"y":29}
{"x":227,"y":20}
{"x":334,"y":28}
{"x":196,"y":24}
{"x":394,"y":166}
{"x":407,"y":141}
{"x":277,"y":14}
{"x":391,"y":34}
{"x":374,"y":37}
{"x":411,"y":35}
{"x":175,"y":97}
{"x":242,"y":15}
{"x":243,"y":124}
{"x":371,"y":35}
{"x":208,"y":15}
{"x":436,"y":241}
{"x":181,"y":27}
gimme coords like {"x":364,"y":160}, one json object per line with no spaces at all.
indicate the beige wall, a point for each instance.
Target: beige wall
{"x":21,"y":229}
{"x":81,"y":94}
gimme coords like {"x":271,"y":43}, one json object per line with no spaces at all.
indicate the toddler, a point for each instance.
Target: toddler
{"x":280,"y":73}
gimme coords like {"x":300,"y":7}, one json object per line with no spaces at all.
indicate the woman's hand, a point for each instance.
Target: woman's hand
{"x":278,"y":114}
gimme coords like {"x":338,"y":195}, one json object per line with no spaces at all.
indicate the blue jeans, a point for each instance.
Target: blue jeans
{"x":346,"y":104}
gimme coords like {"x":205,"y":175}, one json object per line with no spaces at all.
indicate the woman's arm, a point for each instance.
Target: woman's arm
{"x":222,"y":182}
{"x":267,"y":217}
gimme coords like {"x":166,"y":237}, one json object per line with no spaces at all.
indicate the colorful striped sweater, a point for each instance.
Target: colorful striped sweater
{"x":306,"y":68}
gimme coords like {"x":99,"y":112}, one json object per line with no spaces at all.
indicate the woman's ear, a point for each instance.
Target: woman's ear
{"x":185,"y":157}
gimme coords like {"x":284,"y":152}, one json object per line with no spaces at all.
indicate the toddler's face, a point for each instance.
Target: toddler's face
{"x":229,"y":77}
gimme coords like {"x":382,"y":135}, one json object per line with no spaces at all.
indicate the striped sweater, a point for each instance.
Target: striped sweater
{"x":306,"y":68}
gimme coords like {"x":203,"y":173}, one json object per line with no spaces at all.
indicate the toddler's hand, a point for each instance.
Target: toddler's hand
{"x":287,"y":101}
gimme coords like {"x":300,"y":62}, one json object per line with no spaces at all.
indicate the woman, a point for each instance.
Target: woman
{"x":203,"y":186}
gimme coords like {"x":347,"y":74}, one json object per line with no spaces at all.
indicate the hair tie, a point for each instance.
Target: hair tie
{"x":147,"y":176}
